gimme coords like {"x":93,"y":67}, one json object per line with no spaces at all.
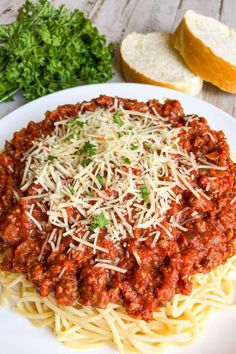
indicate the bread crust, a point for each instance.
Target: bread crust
{"x":131,"y":75}
{"x":202,"y":60}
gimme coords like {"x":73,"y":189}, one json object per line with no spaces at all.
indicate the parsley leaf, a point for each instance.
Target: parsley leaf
{"x":89,"y":149}
{"x":48,"y":49}
{"x":133,"y":147}
{"x":148,"y":147}
{"x":100,"y":180}
{"x":98,"y":221}
{"x":75,"y":122}
{"x":127,"y":160}
{"x":72,"y":191}
{"x":117,"y":119}
{"x":120,"y":134}
{"x":145,"y":193}
{"x":51,"y":158}
{"x":72,"y":136}
{"x":86,"y":162}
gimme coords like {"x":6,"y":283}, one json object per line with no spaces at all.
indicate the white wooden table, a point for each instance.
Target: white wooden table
{"x":117,"y":18}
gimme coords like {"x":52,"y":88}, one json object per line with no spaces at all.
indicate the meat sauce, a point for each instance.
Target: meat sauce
{"x":165,"y":269}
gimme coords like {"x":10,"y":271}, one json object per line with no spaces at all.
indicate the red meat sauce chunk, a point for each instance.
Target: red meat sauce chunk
{"x":165,"y":269}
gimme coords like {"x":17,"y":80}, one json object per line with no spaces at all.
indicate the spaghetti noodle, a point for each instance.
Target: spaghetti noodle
{"x":117,"y":224}
{"x":80,"y":327}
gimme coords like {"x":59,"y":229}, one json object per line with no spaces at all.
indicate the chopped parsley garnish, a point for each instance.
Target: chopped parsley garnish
{"x":89,"y":149}
{"x":90,"y":194}
{"x":133,"y":147}
{"x":145,"y":193}
{"x":117,"y":119}
{"x":86,"y":162}
{"x":71,"y":136}
{"x":51,"y":158}
{"x":127,"y":160}
{"x":72,"y":191}
{"x":100,"y":180}
{"x":120,"y":134}
{"x":148,"y":146}
{"x":76,"y":122}
{"x":98,"y":221}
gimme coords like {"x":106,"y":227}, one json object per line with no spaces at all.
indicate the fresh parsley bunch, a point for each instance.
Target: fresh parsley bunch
{"x":48,"y":49}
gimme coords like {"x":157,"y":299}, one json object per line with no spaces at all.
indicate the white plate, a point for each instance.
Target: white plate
{"x":17,"y":335}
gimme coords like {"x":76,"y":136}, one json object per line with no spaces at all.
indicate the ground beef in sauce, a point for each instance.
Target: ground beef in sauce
{"x":165,"y":269}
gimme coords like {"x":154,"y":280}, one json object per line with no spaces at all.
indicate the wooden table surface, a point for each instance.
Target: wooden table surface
{"x":117,"y":18}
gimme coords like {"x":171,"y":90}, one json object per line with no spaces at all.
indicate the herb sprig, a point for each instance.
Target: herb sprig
{"x":98,"y":221}
{"x":51,"y":158}
{"x":117,"y":119}
{"x":126,"y":160}
{"x":133,"y":147}
{"x":89,"y":149}
{"x":100,"y":180}
{"x":47,"y":49}
{"x":145,"y":193}
{"x":85,"y":162}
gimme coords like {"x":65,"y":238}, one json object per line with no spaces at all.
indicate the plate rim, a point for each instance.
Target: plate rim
{"x":27,"y":105}
{"x":169,"y":93}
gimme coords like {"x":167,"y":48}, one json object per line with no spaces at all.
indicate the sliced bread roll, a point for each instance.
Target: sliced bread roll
{"x":209,"y":49}
{"x":151,"y":59}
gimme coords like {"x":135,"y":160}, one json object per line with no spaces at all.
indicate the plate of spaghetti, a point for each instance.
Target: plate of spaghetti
{"x":117,"y":222}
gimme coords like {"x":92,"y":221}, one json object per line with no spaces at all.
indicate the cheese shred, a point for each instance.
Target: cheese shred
{"x":112,"y":170}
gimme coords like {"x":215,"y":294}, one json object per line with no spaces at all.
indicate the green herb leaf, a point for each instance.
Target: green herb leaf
{"x":145,"y":193}
{"x":48,"y":49}
{"x":120,"y":134}
{"x":127,"y":160}
{"x":133,"y":147}
{"x":148,"y":147}
{"x":117,"y":119}
{"x":52,"y":158}
{"x":100,"y":180}
{"x":98,"y":221}
{"x":86,"y":162}
{"x":72,"y":191}
{"x":76,"y":122}
{"x":69,"y":137}
{"x":89,"y":149}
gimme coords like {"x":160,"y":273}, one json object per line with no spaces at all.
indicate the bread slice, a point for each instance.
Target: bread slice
{"x":209,"y":49}
{"x":151,"y":59}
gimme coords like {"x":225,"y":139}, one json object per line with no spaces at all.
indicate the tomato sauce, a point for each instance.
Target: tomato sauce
{"x":165,"y":269}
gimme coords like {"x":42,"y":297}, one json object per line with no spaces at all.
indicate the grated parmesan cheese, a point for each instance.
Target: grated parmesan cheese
{"x":111,"y":267}
{"x":124,"y":162}
{"x":233,"y":200}
{"x":136,"y":256}
{"x":156,"y":237}
{"x":34,"y":220}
